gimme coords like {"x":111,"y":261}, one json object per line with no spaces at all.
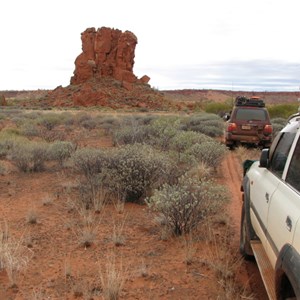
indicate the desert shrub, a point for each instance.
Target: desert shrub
{"x":89,"y":124}
{"x":7,"y":141}
{"x":34,"y":115}
{"x":183,"y":140}
{"x":146,"y":120}
{"x":278,"y":124}
{"x":218,"y":107}
{"x":61,"y":150}
{"x":82,"y":117}
{"x":209,"y":152}
{"x":29,"y":156}
{"x":137,"y":169}
{"x":29,"y":129}
{"x":209,"y":124}
{"x":49,"y":120}
{"x":162,"y":130}
{"x":283,"y":110}
{"x":52,"y":135}
{"x":209,"y":130}
{"x":89,"y":161}
{"x":131,"y":134}
{"x":186,"y":204}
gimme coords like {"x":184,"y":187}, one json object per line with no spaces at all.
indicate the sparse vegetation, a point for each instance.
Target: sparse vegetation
{"x":168,"y":160}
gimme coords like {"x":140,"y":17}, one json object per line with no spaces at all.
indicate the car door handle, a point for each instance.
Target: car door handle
{"x":288,"y":223}
{"x":267,"y":197}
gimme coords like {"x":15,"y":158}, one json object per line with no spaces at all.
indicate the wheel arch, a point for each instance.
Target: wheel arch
{"x":287,"y":273}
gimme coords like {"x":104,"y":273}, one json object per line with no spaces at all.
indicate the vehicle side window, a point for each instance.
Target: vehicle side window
{"x":281,"y":152}
{"x":293,"y":175}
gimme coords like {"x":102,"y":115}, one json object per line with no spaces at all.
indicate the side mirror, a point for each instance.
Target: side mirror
{"x":264,"y":158}
{"x":226,"y":117}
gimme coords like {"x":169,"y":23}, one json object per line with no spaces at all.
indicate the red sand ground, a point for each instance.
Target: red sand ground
{"x":153,"y":268}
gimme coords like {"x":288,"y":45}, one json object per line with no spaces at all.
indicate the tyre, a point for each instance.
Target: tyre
{"x":245,"y":246}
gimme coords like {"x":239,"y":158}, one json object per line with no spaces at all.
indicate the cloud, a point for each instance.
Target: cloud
{"x":255,"y":75}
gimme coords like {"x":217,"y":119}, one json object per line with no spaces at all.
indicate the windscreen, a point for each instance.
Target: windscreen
{"x":247,"y":114}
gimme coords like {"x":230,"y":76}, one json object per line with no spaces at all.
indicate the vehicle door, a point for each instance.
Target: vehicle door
{"x":284,"y":208}
{"x":264,"y":182}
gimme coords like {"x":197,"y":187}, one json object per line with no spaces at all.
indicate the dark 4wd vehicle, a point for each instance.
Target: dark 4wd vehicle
{"x":249,"y":124}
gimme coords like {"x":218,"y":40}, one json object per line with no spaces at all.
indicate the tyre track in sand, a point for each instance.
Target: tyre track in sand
{"x":233,"y":172}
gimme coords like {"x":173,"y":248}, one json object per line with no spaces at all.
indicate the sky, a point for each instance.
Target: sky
{"x":191,"y":44}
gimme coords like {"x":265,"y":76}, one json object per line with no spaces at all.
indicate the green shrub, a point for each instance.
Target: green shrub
{"x":209,"y":152}
{"x":137,"y":169}
{"x":183,"y":140}
{"x":89,"y":161}
{"x":61,"y":150}
{"x":283,"y":110}
{"x":278,"y":124}
{"x":217,"y":107}
{"x":50,"y":120}
{"x":162,"y":130}
{"x":29,"y":156}
{"x":209,"y":124}
{"x":186,"y":204}
{"x":131,"y":134}
{"x":7,"y":141}
{"x":30,"y":129}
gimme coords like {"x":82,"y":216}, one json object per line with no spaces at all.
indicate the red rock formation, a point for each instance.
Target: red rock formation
{"x":104,"y":75}
{"x":106,"y":53}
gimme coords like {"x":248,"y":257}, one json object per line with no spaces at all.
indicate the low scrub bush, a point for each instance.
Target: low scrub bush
{"x":208,"y":124}
{"x":30,"y":156}
{"x":186,"y":204}
{"x":137,"y":169}
{"x":218,"y":107}
{"x":89,"y":161}
{"x":209,"y":152}
{"x":183,"y":140}
{"x":30,"y":129}
{"x":61,"y":150}
{"x":49,"y":120}
{"x":278,"y":124}
{"x":283,"y":110}
{"x":131,"y":135}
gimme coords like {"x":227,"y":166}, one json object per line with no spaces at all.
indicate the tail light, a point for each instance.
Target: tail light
{"x":231,"y":127}
{"x":268,"y":129}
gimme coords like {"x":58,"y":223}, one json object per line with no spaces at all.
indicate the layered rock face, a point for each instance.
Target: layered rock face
{"x":106,"y":52}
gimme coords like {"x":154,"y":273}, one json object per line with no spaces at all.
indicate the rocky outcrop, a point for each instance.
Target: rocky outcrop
{"x":106,"y":52}
{"x":104,"y":77}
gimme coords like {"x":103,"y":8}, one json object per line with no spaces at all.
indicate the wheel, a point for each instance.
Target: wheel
{"x":245,"y":246}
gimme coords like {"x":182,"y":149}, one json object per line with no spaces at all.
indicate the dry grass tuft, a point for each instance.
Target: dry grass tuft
{"x":244,"y":153}
{"x":112,"y":278}
{"x":118,"y":232}
{"x":14,"y":255}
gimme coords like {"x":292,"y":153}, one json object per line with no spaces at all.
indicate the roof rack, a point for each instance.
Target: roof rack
{"x":253,"y":101}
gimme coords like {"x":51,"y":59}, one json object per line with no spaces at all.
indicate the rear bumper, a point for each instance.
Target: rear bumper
{"x":247,"y":139}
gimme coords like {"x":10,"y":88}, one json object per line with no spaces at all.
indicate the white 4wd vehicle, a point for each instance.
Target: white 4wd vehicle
{"x":270,"y":223}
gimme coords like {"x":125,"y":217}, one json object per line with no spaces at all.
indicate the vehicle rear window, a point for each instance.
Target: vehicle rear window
{"x":250,"y":114}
